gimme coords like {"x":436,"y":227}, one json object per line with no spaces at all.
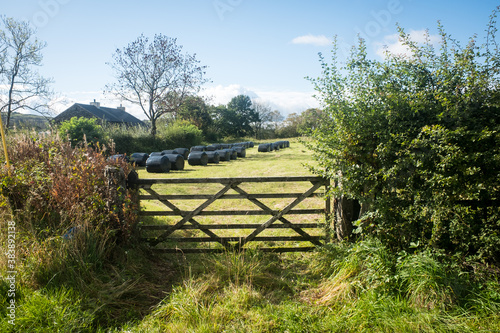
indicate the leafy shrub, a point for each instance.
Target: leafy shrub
{"x":80,"y":130}
{"x":416,"y":139}
{"x":180,"y":133}
{"x":54,"y":187}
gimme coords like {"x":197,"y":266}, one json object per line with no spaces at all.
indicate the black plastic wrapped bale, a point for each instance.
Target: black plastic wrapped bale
{"x":158,"y":164}
{"x":287,"y":144}
{"x":251,"y":144}
{"x":224,"y":155}
{"x":213,"y":157}
{"x":212,"y":148}
{"x":183,"y":151}
{"x":166,"y":152}
{"x":225,"y":146}
{"x":232,"y":153}
{"x":156,"y":153}
{"x":264,"y":147}
{"x":275,"y":146}
{"x":198,"y":148}
{"x":139,"y":159}
{"x":241,"y":151}
{"x":198,"y":158}
{"x":176,"y":161}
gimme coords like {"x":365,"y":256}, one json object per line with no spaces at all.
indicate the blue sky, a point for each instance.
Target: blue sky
{"x":260,"y":48}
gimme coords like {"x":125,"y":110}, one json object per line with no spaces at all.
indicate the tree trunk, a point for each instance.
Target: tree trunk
{"x":153,"y":127}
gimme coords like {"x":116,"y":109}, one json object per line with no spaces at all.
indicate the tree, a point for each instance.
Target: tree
{"x":265,"y":117}
{"x":21,"y":87}
{"x":243,"y":115}
{"x":236,"y":118}
{"x":415,"y":138}
{"x":156,"y":76}
{"x":300,"y":124}
{"x":196,"y":111}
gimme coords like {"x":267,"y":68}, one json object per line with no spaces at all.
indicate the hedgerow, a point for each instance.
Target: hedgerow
{"x":416,"y":139}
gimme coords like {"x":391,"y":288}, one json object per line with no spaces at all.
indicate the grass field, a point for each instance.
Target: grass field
{"x":290,"y":161}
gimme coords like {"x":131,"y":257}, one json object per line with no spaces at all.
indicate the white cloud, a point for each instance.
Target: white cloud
{"x":320,"y":40}
{"x":393,"y":45}
{"x":284,"y":101}
{"x":219,"y":94}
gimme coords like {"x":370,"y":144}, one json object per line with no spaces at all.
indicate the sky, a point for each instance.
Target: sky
{"x":263,"y":49}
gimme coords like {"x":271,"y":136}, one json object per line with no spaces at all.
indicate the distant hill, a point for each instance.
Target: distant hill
{"x":29,"y":121}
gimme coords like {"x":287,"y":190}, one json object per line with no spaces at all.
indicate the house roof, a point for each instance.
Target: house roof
{"x":108,"y":114}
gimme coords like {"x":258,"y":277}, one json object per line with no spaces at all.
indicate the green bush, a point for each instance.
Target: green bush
{"x":180,"y":133}
{"x":80,"y":130}
{"x":416,"y":139}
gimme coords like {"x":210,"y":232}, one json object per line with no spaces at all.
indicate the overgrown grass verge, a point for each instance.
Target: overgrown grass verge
{"x":341,"y":288}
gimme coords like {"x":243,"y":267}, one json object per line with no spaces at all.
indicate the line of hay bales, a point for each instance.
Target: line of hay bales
{"x":164,"y":161}
{"x":272,"y":146}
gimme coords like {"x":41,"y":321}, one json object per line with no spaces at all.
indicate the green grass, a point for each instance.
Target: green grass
{"x":285,"y":162}
{"x":360,"y":287}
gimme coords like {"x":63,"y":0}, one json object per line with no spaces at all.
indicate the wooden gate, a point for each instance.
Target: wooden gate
{"x":211,"y":240}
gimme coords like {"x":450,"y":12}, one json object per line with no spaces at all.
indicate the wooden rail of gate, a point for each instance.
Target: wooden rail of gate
{"x":187,"y":218}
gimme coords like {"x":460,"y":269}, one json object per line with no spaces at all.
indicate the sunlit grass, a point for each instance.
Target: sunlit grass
{"x":285,"y":162}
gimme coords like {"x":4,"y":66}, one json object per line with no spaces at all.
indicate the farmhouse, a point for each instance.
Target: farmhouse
{"x":95,"y":110}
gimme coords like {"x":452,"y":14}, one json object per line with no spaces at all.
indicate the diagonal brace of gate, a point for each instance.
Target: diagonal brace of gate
{"x":262,"y":206}
{"x":190,"y":215}
{"x":280,"y":214}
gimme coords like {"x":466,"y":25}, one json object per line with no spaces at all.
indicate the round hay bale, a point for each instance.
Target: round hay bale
{"x":275,"y":146}
{"x":198,"y":148}
{"x":287,"y":144}
{"x":158,"y":164}
{"x":224,"y":155}
{"x":183,"y":151}
{"x":156,"y":153}
{"x":241,"y":151}
{"x":139,"y":159}
{"x":198,"y":158}
{"x":166,"y":152}
{"x":213,"y":157}
{"x":232,"y":153}
{"x":251,"y":144}
{"x":264,"y":148}
{"x":176,"y":161}
{"x":211,"y":148}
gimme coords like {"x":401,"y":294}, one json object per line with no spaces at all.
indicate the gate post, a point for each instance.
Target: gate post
{"x":116,"y":189}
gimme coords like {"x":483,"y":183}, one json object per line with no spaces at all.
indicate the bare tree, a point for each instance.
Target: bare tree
{"x":21,"y":87}
{"x":156,"y":76}
{"x":266,"y":118}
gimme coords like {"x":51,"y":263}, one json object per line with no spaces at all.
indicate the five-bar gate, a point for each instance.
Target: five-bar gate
{"x":168,"y":236}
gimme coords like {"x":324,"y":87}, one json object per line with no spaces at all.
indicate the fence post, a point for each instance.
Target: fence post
{"x":116,"y":187}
